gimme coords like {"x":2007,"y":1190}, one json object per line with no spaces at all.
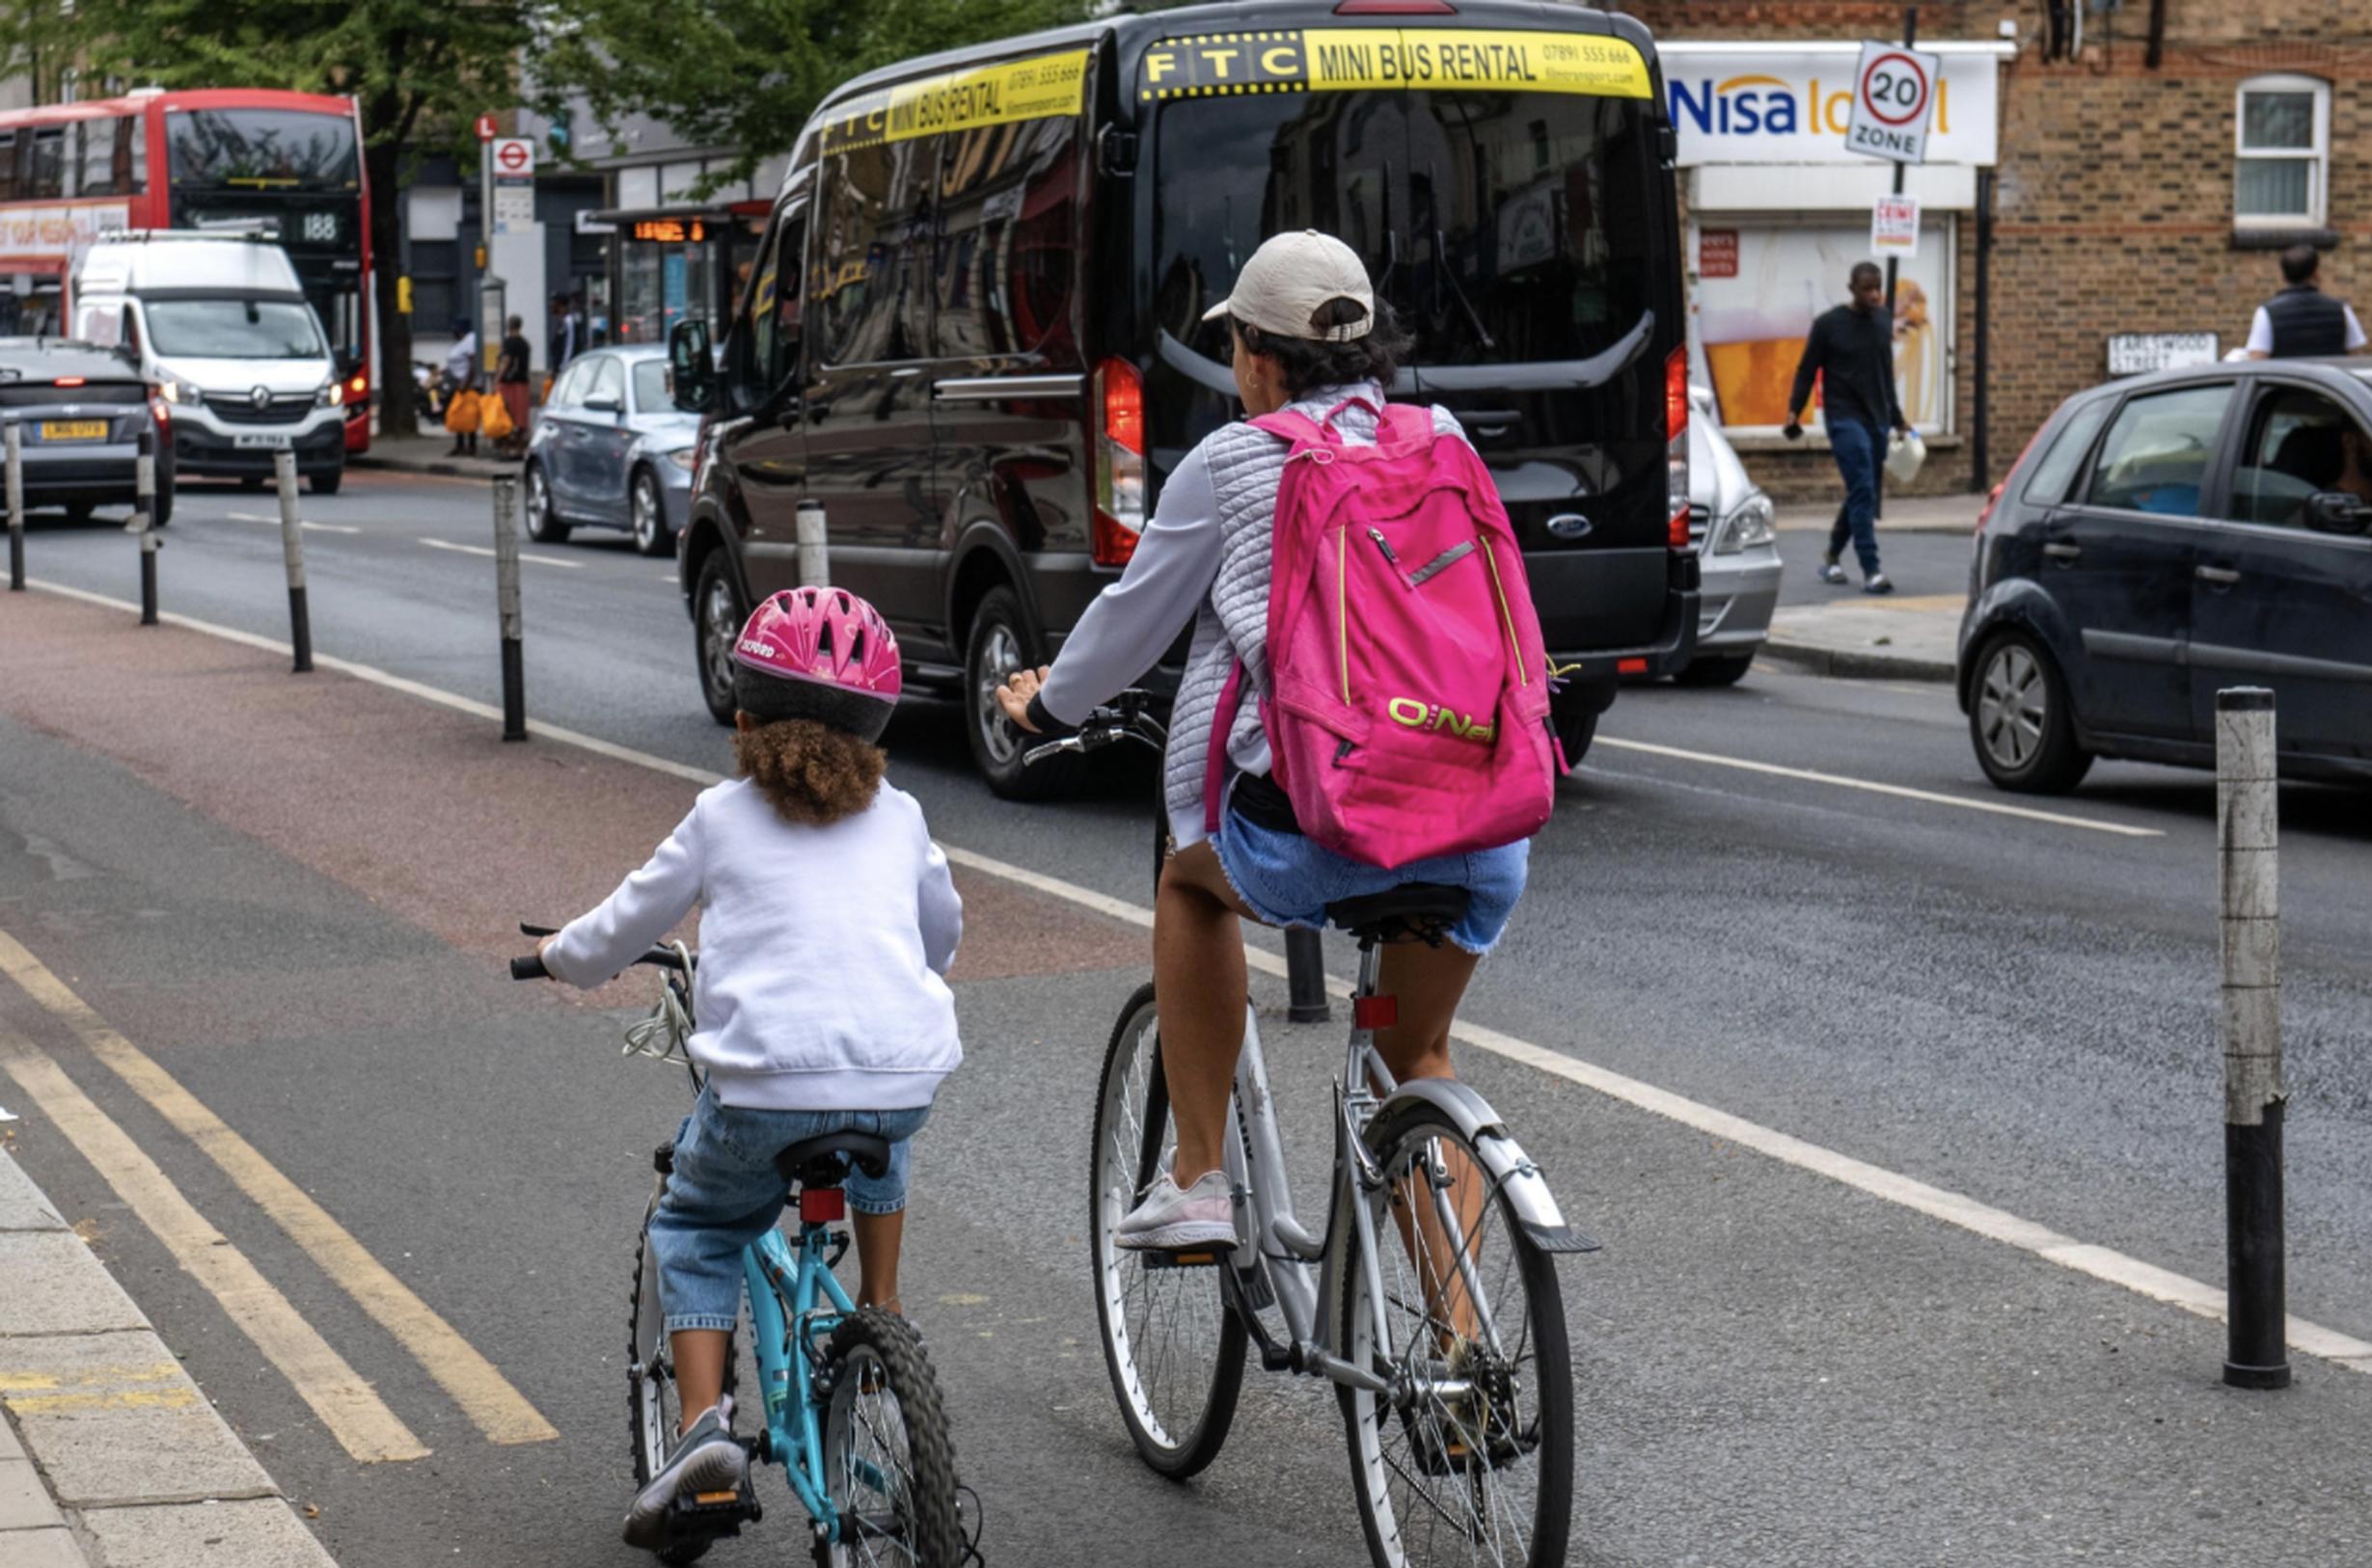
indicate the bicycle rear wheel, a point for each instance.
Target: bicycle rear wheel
{"x":888,"y":1461}
{"x":1173,"y":1347}
{"x":1469,"y":1458}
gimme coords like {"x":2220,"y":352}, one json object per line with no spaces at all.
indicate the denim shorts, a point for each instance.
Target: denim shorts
{"x":1288,"y":880}
{"x":724,"y":1194}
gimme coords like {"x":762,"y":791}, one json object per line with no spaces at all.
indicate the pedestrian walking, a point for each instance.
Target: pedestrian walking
{"x":461,"y":376}
{"x":510,"y":382}
{"x":1851,"y":349}
{"x":567,"y":333}
{"x":2301,"y":322}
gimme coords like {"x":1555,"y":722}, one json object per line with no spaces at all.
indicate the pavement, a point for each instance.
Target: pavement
{"x":1911,"y":634}
{"x":1895,"y":1099}
{"x":111,"y":1454}
{"x":428,"y":454}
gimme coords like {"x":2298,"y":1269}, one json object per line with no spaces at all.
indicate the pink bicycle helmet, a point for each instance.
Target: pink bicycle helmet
{"x":821,"y":654}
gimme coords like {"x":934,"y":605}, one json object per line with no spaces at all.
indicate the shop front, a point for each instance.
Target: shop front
{"x":1778,"y":214}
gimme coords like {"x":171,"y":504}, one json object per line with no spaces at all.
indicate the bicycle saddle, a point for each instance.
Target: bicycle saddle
{"x":823,"y":1161}
{"x":1422,"y":910}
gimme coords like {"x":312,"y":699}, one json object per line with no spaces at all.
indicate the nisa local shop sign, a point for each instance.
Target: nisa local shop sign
{"x":1791,"y":102}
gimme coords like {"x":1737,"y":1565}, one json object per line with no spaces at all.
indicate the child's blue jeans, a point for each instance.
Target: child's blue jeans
{"x":724,"y":1193}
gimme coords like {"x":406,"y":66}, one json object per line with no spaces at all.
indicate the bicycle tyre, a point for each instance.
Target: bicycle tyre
{"x":871,"y":1351}
{"x":1121,"y":1163}
{"x":652,"y":1407}
{"x":1395,"y":1139}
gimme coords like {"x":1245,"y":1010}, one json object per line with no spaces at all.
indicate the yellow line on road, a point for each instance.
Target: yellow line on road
{"x":1902,"y":792}
{"x":363,"y":1426}
{"x":495,"y":1407}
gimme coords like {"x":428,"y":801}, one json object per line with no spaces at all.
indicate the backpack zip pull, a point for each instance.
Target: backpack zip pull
{"x":1384,"y":545}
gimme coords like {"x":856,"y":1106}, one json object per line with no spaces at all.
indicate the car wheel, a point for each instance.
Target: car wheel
{"x":2021,"y":720}
{"x":160,"y":507}
{"x":651,"y":534}
{"x":326,"y":484}
{"x":1725,"y":670}
{"x":1576,"y":728}
{"x":78,"y":512}
{"x":252,"y":481}
{"x":717,"y":622}
{"x":543,"y":524}
{"x":999,"y":644}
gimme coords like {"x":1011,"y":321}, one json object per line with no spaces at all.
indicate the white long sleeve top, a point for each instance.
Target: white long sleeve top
{"x":822,"y":950}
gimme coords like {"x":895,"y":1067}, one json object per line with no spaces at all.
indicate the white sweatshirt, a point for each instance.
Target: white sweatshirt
{"x":821,"y":950}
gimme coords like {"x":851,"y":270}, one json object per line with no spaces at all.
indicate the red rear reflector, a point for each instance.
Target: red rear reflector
{"x":1396,"y":7}
{"x":1375,"y":1012}
{"x":818,"y":1205}
{"x":1630,"y":667}
{"x":68,"y":381}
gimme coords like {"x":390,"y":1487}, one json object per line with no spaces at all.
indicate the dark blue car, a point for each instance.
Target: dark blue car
{"x":2164,"y":537}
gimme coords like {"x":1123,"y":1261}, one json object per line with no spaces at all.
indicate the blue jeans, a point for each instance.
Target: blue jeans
{"x":1859,"y":449}
{"x":724,"y":1193}
{"x":1288,"y":880}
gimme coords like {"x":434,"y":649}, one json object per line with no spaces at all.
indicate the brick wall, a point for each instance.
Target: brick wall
{"x":2113,"y":203}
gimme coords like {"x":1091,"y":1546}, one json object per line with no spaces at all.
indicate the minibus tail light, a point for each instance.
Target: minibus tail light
{"x":1675,"y":447}
{"x":1120,"y":462}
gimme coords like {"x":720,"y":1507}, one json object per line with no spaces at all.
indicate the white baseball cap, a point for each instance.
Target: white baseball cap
{"x":1289,"y":278}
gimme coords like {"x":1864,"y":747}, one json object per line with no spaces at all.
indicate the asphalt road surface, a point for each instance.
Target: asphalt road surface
{"x":1795,"y":901}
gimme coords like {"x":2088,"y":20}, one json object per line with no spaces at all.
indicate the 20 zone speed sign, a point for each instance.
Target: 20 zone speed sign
{"x":1894,"y":97}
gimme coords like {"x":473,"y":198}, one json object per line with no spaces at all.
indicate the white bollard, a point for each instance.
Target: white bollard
{"x":2248,"y":874}
{"x":814,"y":555}
{"x":15,"y":440}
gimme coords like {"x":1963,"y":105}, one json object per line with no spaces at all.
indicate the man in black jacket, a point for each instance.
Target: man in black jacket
{"x":1851,"y":349}
{"x":2301,"y":322}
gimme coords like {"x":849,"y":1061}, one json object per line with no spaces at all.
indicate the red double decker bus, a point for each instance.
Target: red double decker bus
{"x":209,"y":158}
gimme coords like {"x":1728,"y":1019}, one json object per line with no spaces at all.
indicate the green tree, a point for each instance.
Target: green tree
{"x":420,"y":72}
{"x":745,"y":73}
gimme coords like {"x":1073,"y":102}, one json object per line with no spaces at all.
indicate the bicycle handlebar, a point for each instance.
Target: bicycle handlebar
{"x":1127,"y":717}
{"x":532,"y":967}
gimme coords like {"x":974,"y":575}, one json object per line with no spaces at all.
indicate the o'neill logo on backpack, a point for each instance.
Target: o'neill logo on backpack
{"x":1433,"y":716}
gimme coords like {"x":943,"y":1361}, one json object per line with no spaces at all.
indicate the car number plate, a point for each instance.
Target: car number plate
{"x":269,"y":440}
{"x":73,"y":429}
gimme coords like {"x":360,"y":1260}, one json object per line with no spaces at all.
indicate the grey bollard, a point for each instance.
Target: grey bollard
{"x":506,"y":605}
{"x":292,"y":554}
{"x":2248,"y":876}
{"x":814,"y":554}
{"x":144,"y":525}
{"x":15,"y":441}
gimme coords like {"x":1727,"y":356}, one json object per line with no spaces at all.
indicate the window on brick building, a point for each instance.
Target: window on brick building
{"x":2282,"y":153}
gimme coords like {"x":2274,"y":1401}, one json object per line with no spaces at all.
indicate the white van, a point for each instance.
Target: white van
{"x":221,"y":329}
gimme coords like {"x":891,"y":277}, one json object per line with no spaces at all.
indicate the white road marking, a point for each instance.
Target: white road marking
{"x":1902,"y":792}
{"x":488,"y":551}
{"x":2103,"y":1263}
{"x":317,"y":527}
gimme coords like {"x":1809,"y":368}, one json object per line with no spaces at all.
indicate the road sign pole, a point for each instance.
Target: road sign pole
{"x":1910,"y":40}
{"x":2248,"y":874}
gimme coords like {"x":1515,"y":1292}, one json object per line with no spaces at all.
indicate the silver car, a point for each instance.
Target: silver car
{"x":1730,"y":521}
{"x":610,"y":450}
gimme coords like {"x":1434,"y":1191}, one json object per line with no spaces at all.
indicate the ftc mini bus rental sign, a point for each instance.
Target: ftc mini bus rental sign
{"x":1894,"y":97}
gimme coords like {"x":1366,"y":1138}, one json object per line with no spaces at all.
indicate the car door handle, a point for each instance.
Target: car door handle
{"x":2059,"y":550}
{"x":2223,"y":576}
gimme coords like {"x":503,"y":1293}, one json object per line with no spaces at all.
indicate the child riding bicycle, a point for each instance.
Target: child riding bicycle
{"x":828,"y":920}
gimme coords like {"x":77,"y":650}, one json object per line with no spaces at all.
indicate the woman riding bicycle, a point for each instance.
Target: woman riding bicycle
{"x":1309,"y":339}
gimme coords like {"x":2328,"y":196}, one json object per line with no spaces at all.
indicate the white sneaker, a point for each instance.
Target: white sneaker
{"x":1170,"y":1218}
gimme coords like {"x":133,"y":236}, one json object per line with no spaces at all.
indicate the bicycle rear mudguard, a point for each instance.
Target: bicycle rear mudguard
{"x":1504,"y":1160}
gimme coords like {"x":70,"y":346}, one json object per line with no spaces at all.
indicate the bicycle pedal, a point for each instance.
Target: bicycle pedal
{"x":722,"y":1512}
{"x":1186,"y":1257}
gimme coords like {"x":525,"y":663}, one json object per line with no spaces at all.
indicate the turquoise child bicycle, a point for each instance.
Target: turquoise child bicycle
{"x":853,"y":1412}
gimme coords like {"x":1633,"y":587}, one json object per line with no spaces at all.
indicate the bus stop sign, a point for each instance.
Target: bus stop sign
{"x":1894,"y":97}
{"x":486,"y":128}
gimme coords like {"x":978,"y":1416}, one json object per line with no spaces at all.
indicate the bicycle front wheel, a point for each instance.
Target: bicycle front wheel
{"x":888,"y":1461}
{"x":1468,"y":1458}
{"x":1172,"y":1346}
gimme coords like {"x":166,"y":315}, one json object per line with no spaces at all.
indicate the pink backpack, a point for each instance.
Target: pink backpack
{"x":1407,"y":714}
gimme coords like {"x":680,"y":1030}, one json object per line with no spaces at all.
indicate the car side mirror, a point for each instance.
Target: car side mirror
{"x":2336,"y":511}
{"x":694,"y":367}
{"x":603,"y":405}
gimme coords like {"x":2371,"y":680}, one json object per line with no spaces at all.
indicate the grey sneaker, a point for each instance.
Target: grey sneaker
{"x":708,"y":1461}
{"x":1878,"y":582}
{"x":1171,"y":1218}
{"x":1830,"y":571}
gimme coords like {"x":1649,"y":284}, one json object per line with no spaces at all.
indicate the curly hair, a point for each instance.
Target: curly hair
{"x":1310,"y":363}
{"x":813,"y":774}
